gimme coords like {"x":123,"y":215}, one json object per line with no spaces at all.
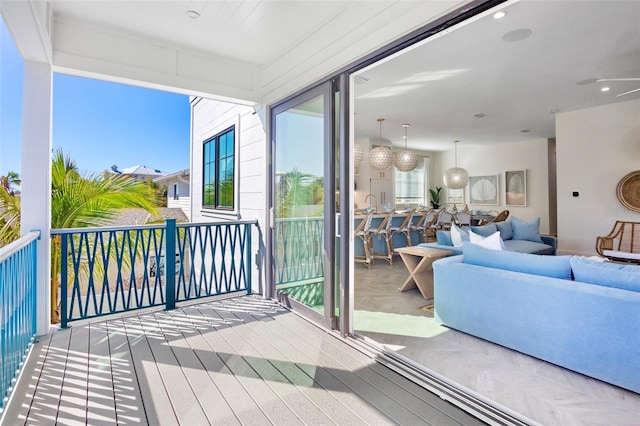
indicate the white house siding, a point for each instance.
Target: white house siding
{"x":209,"y":117}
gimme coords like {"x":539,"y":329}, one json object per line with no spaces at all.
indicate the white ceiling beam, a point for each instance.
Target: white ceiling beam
{"x":29,"y":23}
{"x":125,"y":58}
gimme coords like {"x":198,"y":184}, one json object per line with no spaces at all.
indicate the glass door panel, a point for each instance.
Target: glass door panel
{"x":299,"y":202}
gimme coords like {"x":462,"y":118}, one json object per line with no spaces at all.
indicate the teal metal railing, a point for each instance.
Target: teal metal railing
{"x":17,"y":308}
{"x":105,"y":271}
{"x":298,"y":249}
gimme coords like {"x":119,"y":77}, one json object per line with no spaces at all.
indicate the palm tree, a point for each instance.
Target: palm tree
{"x":9,"y":216}
{"x":9,"y":181}
{"x":78,"y":201}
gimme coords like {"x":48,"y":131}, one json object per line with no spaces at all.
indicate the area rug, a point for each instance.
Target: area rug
{"x":428,"y":309}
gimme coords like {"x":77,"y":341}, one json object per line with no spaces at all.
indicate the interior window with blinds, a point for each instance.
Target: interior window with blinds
{"x":411,"y":187}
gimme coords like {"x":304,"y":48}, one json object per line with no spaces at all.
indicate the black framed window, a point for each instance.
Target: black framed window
{"x":218,"y":175}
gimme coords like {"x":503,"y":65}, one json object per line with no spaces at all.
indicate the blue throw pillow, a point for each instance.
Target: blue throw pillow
{"x":443,"y":238}
{"x":506,"y":231}
{"x":609,"y":274}
{"x":485,"y":230}
{"x":529,"y":231}
{"x":548,"y":266}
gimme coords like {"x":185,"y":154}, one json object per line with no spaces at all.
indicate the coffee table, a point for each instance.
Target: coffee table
{"x":419,"y":262}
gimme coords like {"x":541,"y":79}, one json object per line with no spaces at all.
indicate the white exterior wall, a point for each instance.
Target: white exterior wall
{"x":209,"y":117}
{"x":595,"y":148}
{"x":184,"y":199}
{"x":495,"y":160}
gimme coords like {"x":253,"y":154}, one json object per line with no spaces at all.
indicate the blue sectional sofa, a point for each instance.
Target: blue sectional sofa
{"x":573,"y":312}
{"x":519,"y":236}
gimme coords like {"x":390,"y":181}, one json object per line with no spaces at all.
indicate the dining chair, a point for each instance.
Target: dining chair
{"x":363,"y":231}
{"x":431,"y":225}
{"x":444,"y":220}
{"x":384,"y":231}
{"x":463,"y":219}
{"x":404,"y":227}
{"x":420,"y":219}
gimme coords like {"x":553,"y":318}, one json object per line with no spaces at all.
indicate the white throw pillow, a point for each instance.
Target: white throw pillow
{"x":456,"y":236}
{"x":492,"y":242}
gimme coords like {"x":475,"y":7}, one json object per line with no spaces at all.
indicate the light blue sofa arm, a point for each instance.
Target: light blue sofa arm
{"x":550,"y":240}
{"x":587,"y":328}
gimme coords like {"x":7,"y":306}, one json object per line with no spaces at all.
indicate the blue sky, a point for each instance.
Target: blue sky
{"x":98,"y":123}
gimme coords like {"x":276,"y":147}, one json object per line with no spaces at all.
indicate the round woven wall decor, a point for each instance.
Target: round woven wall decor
{"x":628,"y":191}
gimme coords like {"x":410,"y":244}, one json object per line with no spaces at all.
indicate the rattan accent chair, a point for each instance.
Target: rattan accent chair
{"x":622,"y":244}
{"x":500,"y":217}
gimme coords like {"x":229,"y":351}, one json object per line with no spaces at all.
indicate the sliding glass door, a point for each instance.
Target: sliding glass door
{"x":303,"y":203}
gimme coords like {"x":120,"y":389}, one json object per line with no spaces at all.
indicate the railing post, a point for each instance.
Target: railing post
{"x":64,"y":317}
{"x":248,"y":263}
{"x":170,"y":264}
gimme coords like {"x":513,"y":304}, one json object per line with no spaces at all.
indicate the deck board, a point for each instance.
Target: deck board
{"x":101,"y":404}
{"x":242,"y":360}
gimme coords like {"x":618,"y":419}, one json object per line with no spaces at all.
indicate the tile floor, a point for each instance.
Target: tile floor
{"x":545,"y":393}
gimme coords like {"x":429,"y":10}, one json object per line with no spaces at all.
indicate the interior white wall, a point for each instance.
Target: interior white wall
{"x":596,"y":147}
{"x":497,"y":159}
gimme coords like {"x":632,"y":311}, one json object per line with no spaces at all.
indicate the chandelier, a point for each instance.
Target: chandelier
{"x":456,"y":177}
{"x":381,"y":157}
{"x":406,"y":160}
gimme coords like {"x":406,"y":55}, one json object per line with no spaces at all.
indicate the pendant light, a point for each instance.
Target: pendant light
{"x":381,"y":157}
{"x":406,"y":160}
{"x":358,"y":155}
{"x":456,"y":177}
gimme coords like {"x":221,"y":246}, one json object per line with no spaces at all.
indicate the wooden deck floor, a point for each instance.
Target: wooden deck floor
{"x":234,"y":361}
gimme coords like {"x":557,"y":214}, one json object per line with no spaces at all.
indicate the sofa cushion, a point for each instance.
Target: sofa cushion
{"x":609,"y":274}
{"x":524,"y":246}
{"x":529,"y":231}
{"x":549,"y":266}
{"x":458,"y":235}
{"x":492,"y":242}
{"x":443,"y":238}
{"x":505,"y":228}
{"x":485,"y":230}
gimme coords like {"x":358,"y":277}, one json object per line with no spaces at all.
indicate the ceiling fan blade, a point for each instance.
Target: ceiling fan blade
{"x":629,"y":92}
{"x":618,"y":79}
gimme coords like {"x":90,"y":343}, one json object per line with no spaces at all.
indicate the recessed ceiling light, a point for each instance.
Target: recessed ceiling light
{"x":480,"y":115}
{"x":192,"y":14}
{"x":605,"y":89}
{"x":499,"y":15}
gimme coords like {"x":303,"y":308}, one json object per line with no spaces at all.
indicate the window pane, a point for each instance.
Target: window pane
{"x":222,"y":144}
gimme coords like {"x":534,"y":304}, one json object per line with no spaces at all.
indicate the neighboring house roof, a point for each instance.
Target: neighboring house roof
{"x":136,"y":170}
{"x":130,"y":217}
{"x":184,"y":174}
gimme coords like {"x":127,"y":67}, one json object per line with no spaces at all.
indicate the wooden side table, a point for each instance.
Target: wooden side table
{"x":419,"y":262}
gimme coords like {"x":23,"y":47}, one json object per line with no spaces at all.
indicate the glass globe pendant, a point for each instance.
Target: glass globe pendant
{"x":406,"y":160}
{"x":456,"y":177}
{"x":381,"y":157}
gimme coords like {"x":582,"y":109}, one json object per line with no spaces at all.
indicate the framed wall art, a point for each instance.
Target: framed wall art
{"x":515,"y":188}
{"x":483,"y":190}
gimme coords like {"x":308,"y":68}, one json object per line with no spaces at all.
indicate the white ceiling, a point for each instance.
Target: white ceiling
{"x":257,"y":32}
{"x":438,"y":86}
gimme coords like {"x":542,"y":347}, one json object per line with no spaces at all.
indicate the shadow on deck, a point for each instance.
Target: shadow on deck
{"x":240,"y":360}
